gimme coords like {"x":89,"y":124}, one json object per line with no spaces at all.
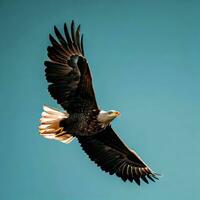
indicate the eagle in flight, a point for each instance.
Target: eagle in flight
{"x":70,"y":83}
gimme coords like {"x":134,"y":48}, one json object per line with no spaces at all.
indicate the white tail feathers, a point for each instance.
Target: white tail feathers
{"x":50,"y":125}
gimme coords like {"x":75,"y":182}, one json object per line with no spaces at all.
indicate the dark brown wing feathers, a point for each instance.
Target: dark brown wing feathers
{"x":70,"y":83}
{"x":68,"y":71}
{"x":108,"y":151}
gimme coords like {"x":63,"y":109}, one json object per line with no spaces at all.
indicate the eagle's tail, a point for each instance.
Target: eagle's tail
{"x":50,"y":125}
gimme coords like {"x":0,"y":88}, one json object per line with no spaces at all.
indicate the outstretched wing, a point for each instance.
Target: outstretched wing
{"x":68,"y":72}
{"x":108,"y":151}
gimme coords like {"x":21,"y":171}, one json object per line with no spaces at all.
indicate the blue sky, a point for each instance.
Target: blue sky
{"x":144,"y":57}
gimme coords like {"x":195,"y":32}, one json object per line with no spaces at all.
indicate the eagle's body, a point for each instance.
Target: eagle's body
{"x":82,"y":123}
{"x":71,"y":85}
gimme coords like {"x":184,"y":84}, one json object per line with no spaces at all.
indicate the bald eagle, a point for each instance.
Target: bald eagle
{"x":70,"y":83}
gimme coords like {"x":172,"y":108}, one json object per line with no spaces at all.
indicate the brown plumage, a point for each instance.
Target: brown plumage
{"x":70,"y":83}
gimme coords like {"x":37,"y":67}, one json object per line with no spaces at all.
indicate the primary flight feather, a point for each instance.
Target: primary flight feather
{"x":70,"y":83}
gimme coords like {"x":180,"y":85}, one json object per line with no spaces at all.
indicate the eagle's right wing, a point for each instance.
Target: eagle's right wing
{"x":108,"y":151}
{"x":68,"y":72}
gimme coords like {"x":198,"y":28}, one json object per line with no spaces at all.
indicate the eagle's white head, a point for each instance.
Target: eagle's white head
{"x":106,"y":117}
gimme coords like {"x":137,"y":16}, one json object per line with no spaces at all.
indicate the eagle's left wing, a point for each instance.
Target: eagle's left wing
{"x":108,"y":151}
{"x":68,"y":73}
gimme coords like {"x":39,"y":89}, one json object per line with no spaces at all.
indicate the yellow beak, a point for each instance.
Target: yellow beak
{"x":116,"y":113}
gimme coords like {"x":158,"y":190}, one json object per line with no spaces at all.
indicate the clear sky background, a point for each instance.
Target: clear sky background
{"x":144,"y":56}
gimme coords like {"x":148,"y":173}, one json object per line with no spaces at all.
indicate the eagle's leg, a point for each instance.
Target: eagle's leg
{"x":71,"y":125}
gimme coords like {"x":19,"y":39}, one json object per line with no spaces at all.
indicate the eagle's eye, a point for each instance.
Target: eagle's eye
{"x":110,"y":112}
